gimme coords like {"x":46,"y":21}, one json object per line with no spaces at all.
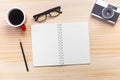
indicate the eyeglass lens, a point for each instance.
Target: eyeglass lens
{"x":54,"y":13}
{"x":42,"y":18}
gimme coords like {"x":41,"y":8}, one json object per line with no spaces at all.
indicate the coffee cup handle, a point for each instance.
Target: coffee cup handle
{"x":23,"y":27}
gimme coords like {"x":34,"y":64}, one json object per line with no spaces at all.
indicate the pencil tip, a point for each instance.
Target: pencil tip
{"x":19,"y":40}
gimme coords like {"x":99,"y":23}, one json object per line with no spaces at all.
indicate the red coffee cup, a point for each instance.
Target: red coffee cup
{"x":16,"y":18}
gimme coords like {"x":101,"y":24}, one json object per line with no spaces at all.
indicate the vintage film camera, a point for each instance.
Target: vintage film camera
{"x":106,"y":11}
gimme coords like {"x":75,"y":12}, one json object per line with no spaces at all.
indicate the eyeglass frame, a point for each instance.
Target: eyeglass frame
{"x":57,"y":9}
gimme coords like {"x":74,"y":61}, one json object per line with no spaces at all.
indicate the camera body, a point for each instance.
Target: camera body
{"x":106,"y":11}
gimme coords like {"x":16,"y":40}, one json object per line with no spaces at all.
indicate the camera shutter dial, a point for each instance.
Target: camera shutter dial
{"x":107,"y":13}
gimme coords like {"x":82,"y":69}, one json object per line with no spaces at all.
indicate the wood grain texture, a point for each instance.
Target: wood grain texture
{"x":104,"y":43}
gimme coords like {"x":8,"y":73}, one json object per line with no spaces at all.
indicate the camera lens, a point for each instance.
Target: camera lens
{"x":107,"y":13}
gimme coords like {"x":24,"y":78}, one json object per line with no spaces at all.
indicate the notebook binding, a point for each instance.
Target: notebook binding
{"x":60,"y":44}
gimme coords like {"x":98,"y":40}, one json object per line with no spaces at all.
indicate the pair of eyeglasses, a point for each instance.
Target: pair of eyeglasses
{"x":54,"y":12}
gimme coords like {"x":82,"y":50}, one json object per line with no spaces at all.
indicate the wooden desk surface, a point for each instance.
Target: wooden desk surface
{"x":104,"y":43}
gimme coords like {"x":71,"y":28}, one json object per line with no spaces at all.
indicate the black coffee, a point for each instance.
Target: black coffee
{"x":16,"y":16}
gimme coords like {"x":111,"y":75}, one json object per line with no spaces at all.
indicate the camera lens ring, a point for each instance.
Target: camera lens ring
{"x":107,"y":13}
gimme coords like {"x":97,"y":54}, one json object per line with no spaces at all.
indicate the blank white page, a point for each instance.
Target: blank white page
{"x":44,"y":44}
{"x":76,"y":43}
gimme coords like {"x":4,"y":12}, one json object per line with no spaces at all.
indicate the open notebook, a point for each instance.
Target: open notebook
{"x":60,"y":44}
